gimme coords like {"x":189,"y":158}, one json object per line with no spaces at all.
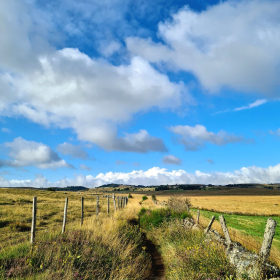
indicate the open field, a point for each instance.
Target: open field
{"x":16,"y":208}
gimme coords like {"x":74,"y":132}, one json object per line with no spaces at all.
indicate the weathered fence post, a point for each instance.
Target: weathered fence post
{"x":82,"y":210}
{"x":124,"y":201}
{"x":188,"y":208}
{"x":267,"y":240}
{"x":121,"y":202}
{"x":210,"y":224}
{"x":108,"y":202}
{"x":97,"y":205}
{"x":197,"y":218}
{"x":65,"y":215}
{"x":114,"y":200}
{"x":225,"y":229}
{"x":33,"y":225}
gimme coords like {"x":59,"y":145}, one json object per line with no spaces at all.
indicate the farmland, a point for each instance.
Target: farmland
{"x":15,"y":222}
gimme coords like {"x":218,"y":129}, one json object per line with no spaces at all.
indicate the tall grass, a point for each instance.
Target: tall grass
{"x":186,"y":254}
{"x":107,"y":247}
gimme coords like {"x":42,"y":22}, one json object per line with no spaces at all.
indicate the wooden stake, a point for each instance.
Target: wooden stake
{"x":82,"y":211}
{"x":225,"y":229}
{"x":97,"y":205}
{"x":108,"y":201}
{"x":197,"y":218}
{"x":65,"y":215}
{"x":114,"y":200}
{"x":210,"y":224}
{"x":267,"y":239}
{"x":33,"y":225}
{"x":118,"y":203}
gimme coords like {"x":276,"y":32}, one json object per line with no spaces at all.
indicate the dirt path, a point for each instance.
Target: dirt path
{"x":158,"y":269}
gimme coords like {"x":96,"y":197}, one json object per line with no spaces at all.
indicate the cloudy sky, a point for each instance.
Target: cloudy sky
{"x":139,"y":92}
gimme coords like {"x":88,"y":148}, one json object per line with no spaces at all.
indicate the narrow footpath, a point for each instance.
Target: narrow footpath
{"x":158,"y":269}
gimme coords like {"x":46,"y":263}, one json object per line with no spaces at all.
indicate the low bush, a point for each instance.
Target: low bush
{"x":129,"y":196}
{"x":144,"y":198}
{"x":178,"y":204}
{"x":154,"y":218}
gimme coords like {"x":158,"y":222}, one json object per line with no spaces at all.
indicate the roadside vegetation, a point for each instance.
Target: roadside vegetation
{"x":186,"y":254}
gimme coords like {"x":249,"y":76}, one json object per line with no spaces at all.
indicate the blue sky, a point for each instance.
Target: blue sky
{"x":139,"y":92}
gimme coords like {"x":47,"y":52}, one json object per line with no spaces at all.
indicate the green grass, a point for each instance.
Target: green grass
{"x":252,"y":225}
{"x":186,"y":254}
{"x":154,"y":218}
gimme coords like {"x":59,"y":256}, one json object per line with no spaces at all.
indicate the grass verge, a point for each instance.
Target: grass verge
{"x":186,"y":255}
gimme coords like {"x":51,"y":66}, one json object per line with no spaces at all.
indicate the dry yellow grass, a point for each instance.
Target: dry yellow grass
{"x":268,"y":205}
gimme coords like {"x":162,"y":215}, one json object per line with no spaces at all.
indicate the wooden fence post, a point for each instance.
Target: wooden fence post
{"x":121,"y":202}
{"x":188,"y":208}
{"x":118,"y":203}
{"x":210,"y":224}
{"x":124,"y":201}
{"x":197,"y":218}
{"x":114,"y":200}
{"x":225,"y":229}
{"x":108,"y":201}
{"x":65,"y":215}
{"x":267,"y":240}
{"x":82,"y":211}
{"x":33,"y":225}
{"x":97,"y":205}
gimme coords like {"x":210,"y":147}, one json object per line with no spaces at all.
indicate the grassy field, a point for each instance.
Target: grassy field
{"x":110,"y":232}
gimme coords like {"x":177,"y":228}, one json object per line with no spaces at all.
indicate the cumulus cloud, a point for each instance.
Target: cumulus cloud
{"x":85,"y":167}
{"x":252,"y":105}
{"x":159,"y":176}
{"x":30,"y":153}
{"x":234,"y":44}
{"x":170,"y":159}
{"x":194,"y":138}
{"x":89,"y":95}
{"x":6,"y":130}
{"x":72,"y":150}
{"x":78,"y":96}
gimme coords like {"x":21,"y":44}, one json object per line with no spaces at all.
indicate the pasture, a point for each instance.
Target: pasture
{"x":16,"y":210}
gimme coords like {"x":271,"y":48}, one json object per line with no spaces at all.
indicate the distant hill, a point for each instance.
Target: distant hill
{"x":66,"y":189}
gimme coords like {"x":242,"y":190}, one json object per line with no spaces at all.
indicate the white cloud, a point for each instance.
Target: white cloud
{"x":77,"y":95}
{"x":252,"y":105}
{"x":72,"y":150}
{"x":194,"y":138}
{"x":68,"y":89}
{"x":85,"y":167}
{"x":170,"y":159}
{"x":111,"y":48}
{"x":158,"y":176}
{"x":30,"y":153}
{"x":6,"y":130}
{"x":234,"y":44}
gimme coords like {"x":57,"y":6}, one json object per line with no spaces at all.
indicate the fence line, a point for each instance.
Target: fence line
{"x":67,"y":214}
